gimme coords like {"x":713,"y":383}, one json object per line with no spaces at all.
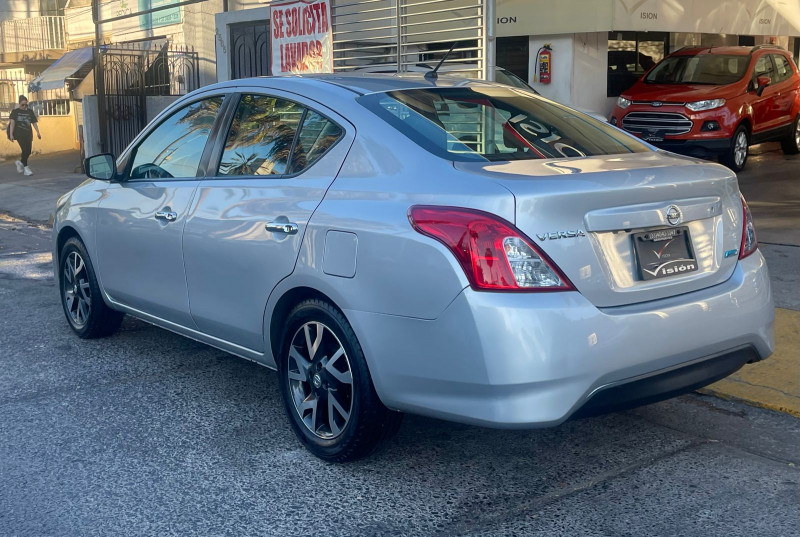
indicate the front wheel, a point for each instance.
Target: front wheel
{"x":326,"y":387}
{"x":86,"y":312}
{"x":791,"y":144}
{"x":736,"y":156}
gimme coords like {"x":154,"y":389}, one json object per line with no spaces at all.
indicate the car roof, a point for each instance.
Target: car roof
{"x":732,"y":51}
{"x":363,"y":83}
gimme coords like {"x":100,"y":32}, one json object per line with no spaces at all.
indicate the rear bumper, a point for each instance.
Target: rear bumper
{"x":532,"y":360}
{"x":666,"y":383}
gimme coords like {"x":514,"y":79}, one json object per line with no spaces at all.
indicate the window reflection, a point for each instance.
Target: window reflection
{"x":316,"y":135}
{"x":175,"y":147}
{"x":260,"y":138}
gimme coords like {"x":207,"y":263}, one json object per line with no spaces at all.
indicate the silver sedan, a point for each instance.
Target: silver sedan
{"x":453,"y":248}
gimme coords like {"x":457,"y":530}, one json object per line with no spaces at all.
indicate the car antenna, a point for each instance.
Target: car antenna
{"x":431,"y":75}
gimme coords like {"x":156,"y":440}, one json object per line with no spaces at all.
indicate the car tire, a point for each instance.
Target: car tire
{"x":86,"y":311}
{"x":791,"y":144}
{"x":327,"y":390}
{"x":735,"y":157}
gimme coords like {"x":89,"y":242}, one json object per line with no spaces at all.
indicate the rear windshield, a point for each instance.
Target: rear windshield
{"x":493,"y":123}
{"x":715,"y":69}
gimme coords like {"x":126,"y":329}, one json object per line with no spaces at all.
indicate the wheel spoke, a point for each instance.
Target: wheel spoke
{"x":70,"y":299}
{"x":333,"y":403}
{"x":78,"y":264}
{"x":309,"y":404}
{"x":302,"y":366}
{"x":334,"y":427}
{"x":313,"y":346}
{"x":345,"y":377}
{"x":83,"y":311}
{"x":84,"y":289}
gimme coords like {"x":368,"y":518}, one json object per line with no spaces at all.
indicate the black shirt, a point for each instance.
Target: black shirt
{"x":23,"y":119}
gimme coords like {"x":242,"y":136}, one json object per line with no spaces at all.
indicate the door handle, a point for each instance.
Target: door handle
{"x":169,"y":216}
{"x":289,"y":228}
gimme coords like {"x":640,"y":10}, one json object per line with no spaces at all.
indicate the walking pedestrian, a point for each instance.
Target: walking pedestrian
{"x":22,"y":123}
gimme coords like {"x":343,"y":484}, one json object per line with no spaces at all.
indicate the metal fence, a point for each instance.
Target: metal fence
{"x":409,"y":35}
{"x":131,"y":73}
{"x":35,"y":33}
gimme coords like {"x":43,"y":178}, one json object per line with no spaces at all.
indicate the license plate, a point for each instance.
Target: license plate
{"x":653,"y":136}
{"x":664,"y":252}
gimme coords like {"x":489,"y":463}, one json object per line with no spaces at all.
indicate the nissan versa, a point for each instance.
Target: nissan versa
{"x":459,"y":249}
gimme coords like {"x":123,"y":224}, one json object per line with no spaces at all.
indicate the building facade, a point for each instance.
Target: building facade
{"x":600,"y":47}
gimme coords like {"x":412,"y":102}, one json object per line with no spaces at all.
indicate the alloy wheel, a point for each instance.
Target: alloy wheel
{"x":76,"y":288}
{"x":320,"y":380}
{"x":740,"y":149}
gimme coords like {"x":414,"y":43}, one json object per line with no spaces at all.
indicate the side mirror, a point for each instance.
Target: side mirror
{"x":101,"y":167}
{"x":762,"y":82}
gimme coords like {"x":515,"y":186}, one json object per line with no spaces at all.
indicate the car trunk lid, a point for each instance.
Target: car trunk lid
{"x":586,"y":213}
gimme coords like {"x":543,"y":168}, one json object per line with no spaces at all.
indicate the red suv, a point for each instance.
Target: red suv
{"x":715,"y":102}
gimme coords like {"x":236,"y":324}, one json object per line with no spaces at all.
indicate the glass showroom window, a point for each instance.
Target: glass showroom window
{"x":632,"y":54}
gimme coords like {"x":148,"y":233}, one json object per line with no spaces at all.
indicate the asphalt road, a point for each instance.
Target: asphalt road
{"x":148,"y":433}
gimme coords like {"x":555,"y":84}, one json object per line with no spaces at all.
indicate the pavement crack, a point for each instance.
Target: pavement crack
{"x":772,"y":388}
{"x":539,"y":502}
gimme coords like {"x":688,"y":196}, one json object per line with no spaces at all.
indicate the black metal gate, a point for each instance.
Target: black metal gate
{"x":130,"y":75}
{"x":250,"y":54}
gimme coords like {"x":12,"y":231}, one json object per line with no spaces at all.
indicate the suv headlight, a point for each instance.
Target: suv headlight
{"x":623,"y":103}
{"x":697,"y":106}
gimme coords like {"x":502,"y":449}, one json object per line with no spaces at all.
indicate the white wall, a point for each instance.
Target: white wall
{"x":590,"y":73}
{"x":559,"y":89}
{"x":18,"y":9}
{"x":222,"y":36}
{"x":579,"y":70}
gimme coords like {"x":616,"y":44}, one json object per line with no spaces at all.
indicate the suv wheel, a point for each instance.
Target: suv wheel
{"x":791,"y":144}
{"x":326,"y":387}
{"x":736,"y":156}
{"x":87,"y":313}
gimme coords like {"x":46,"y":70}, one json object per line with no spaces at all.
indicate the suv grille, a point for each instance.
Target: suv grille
{"x":666,"y":122}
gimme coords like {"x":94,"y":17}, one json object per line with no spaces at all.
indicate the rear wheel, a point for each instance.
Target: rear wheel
{"x":86,"y":312}
{"x":736,"y":156}
{"x":326,"y":387}
{"x":791,"y":144}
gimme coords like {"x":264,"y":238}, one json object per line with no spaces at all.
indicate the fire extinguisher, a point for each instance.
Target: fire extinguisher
{"x":544,"y":63}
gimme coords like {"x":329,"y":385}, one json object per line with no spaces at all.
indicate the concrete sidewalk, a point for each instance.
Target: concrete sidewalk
{"x":34,"y":197}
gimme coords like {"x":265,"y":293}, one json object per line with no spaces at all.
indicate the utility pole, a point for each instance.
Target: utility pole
{"x":99,"y":79}
{"x":490,"y":48}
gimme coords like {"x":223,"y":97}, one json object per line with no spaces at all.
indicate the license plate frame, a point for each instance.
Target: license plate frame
{"x":661,"y":253}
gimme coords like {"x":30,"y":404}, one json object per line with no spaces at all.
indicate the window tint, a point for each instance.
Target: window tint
{"x":174,"y":148}
{"x":495,"y":123}
{"x":261,"y":136}
{"x":714,"y":69}
{"x":764,"y":67}
{"x":316,"y":136}
{"x":782,"y":68}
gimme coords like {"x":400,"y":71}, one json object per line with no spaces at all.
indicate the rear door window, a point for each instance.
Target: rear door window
{"x":317,"y":135}
{"x":260,"y":139}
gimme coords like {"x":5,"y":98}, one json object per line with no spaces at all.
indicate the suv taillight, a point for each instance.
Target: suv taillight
{"x":494,"y":254}
{"x":749,"y":241}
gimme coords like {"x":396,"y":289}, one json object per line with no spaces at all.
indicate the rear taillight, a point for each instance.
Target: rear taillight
{"x":749,"y":241}
{"x":494,"y":254}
